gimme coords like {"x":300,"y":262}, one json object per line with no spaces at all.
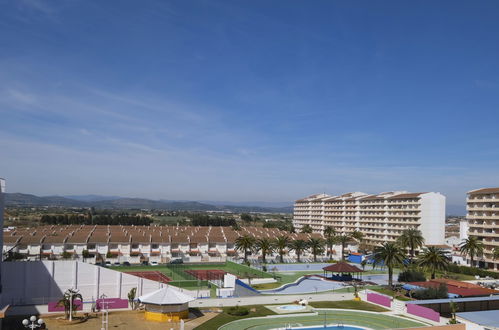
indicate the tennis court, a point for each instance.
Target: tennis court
{"x":206,"y":274}
{"x":323,"y":317}
{"x":152,"y":275}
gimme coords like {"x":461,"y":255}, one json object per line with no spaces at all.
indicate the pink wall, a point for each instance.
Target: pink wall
{"x":113,"y":303}
{"x":379,"y":299}
{"x":52,"y":306}
{"x":425,"y":312}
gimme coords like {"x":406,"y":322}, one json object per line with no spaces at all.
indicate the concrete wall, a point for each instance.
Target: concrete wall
{"x":39,"y":282}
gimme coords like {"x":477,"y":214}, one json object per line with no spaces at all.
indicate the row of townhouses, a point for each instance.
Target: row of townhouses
{"x":135,"y":244}
{"x":381,"y":217}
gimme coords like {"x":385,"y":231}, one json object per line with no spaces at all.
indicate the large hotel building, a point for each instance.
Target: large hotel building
{"x":483,"y":222}
{"x":381,"y":218}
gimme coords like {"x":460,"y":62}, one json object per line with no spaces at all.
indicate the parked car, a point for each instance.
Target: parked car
{"x":108,"y":263}
{"x":154,"y":263}
{"x":145,"y":263}
{"x":176,"y":261}
{"x":116,"y":263}
{"x":126,"y":263}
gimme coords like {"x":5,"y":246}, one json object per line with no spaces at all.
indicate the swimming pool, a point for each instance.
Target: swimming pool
{"x":296,"y":267}
{"x":306,"y":285}
{"x":333,"y":327}
{"x":291,"y":307}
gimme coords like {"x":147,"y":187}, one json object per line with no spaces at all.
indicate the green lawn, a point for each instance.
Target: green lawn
{"x":349,"y":304}
{"x":224,"y":318}
{"x":330,"y":317}
{"x":388,"y":292}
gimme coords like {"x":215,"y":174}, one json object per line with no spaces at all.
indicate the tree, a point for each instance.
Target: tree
{"x":265,"y":246}
{"x":299,"y":246}
{"x":131,"y":297}
{"x":495,"y":253}
{"x":343,"y":240}
{"x":306,"y":229}
{"x":85,"y":254}
{"x":412,"y":239}
{"x":246,"y":217}
{"x":280,"y":244}
{"x":68,"y":302}
{"x":433,"y":259}
{"x":391,"y":255}
{"x":471,"y":247}
{"x":66,"y":255}
{"x":453,"y":310}
{"x":246,"y":244}
{"x":330,"y":241}
{"x":329,"y":232}
{"x":316,"y":245}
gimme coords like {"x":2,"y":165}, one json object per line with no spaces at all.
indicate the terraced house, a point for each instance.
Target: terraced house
{"x":381,"y":217}
{"x":135,"y":244}
{"x":483,"y":222}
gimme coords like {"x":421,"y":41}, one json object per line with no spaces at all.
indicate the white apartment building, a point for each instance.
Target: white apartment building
{"x":483,"y":222}
{"x":381,"y":218}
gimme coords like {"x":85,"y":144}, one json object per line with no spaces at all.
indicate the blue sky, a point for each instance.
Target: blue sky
{"x":248,"y":100}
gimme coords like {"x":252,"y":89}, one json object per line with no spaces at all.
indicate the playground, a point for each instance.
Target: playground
{"x":324,"y":318}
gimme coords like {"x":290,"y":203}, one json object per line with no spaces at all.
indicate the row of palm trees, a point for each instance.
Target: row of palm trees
{"x":283,"y":244}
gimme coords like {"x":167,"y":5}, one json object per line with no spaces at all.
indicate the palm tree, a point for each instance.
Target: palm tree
{"x":391,"y":255}
{"x":329,"y":231}
{"x":358,"y":236}
{"x":433,"y":259}
{"x":343,"y":240}
{"x":306,"y":229}
{"x":299,"y":246}
{"x":495,"y":253}
{"x":316,"y":246}
{"x":265,"y":246}
{"x":471,"y":247}
{"x":68,"y":302}
{"x":246,"y":244}
{"x":330,"y":241}
{"x":412,"y":239}
{"x":280,"y":244}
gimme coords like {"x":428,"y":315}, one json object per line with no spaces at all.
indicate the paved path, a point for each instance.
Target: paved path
{"x":271,"y":299}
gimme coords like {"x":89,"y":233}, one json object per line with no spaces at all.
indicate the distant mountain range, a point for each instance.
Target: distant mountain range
{"x":116,"y":202}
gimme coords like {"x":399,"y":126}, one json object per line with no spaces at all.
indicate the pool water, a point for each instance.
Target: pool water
{"x":335,"y":327}
{"x":291,"y":307}
{"x":306,"y":285}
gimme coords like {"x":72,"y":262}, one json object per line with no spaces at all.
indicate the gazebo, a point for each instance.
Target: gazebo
{"x":342,"y":268}
{"x":165,"y":304}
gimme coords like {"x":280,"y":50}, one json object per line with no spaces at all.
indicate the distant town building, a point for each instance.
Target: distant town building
{"x":483,"y":221}
{"x":381,"y":218}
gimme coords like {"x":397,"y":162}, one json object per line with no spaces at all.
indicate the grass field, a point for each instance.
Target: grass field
{"x":330,"y":317}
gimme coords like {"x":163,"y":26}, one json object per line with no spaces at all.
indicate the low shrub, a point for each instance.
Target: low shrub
{"x":411,"y":276}
{"x":431,"y":293}
{"x":237,"y":311}
{"x":471,"y":271}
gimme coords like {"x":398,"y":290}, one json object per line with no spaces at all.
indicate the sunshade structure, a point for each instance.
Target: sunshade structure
{"x":341,"y":268}
{"x":165,"y":304}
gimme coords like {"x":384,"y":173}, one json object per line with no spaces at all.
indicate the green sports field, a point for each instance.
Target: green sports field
{"x":329,"y":317}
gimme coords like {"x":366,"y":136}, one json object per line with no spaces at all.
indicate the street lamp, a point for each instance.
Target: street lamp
{"x":34,"y":323}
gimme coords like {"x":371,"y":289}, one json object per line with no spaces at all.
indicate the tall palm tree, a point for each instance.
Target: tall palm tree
{"x":391,"y":255}
{"x":280,"y":244}
{"x":411,"y":239}
{"x":495,"y":253}
{"x":246,"y":244}
{"x":316,"y":245}
{"x":265,"y":246}
{"x":433,"y":259}
{"x":343,"y":240}
{"x":358,"y":237}
{"x":299,"y":246}
{"x":330,"y":241}
{"x":471,"y":247}
{"x":306,"y":229}
{"x":329,"y":231}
